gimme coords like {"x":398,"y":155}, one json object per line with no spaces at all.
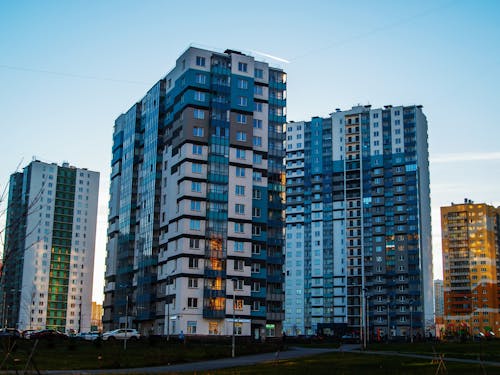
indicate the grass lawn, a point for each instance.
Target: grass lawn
{"x":488,"y":350}
{"x":356,"y":364}
{"x":69,"y":354}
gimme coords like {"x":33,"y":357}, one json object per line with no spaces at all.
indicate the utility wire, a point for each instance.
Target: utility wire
{"x":72,"y":75}
{"x":376,"y":30}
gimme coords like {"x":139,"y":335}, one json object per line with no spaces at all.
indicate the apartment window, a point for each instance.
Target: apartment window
{"x":257,"y":124}
{"x":192,"y":282}
{"x":197,"y":149}
{"x":238,"y":246}
{"x":193,"y":263}
{"x":242,"y":101}
{"x":255,"y":268}
{"x":201,"y":79}
{"x":238,"y":265}
{"x":195,"y":205}
{"x":192,"y":303}
{"x":257,"y":159}
{"x":240,"y":154}
{"x":196,"y":187}
{"x":238,"y":305}
{"x":256,"y":212}
{"x":198,"y":132}
{"x":255,"y":286}
{"x":239,"y":209}
{"x":240,"y":190}
{"x":240,"y":172}
{"x":238,"y":285}
{"x":194,"y":224}
{"x":194,"y":243}
{"x":258,"y":90}
{"x":241,"y":136}
{"x":256,"y":248}
{"x":242,"y":67}
{"x":199,"y":96}
{"x":256,"y":194}
{"x":257,"y":176}
{"x":258,"y":73}
{"x":242,"y":84}
{"x":196,"y":168}
{"x":239,"y":227}
{"x":200,"y":61}
{"x":258,"y":107}
{"x":257,"y":141}
{"x":256,"y":230}
{"x":241,"y":119}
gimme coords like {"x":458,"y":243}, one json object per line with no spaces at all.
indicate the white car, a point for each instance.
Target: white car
{"x":90,"y":336}
{"x":121,"y":334}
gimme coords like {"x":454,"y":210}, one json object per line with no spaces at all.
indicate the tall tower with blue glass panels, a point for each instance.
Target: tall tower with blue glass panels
{"x":195,"y":232}
{"x":48,"y":255}
{"x":358,"y":232}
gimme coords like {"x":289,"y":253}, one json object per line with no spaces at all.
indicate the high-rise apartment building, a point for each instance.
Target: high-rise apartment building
{"x":49,"y":248}
{"x":358,"y":231}
{"x":470,"y":237}
{"x":438,"y":301}
{"x":195,"y":232}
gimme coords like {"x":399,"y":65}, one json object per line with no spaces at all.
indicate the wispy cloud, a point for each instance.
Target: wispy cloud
{"x":465,"y":156}
{"x":271,"y":56}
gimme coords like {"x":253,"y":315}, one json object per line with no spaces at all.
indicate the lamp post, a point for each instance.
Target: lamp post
{"x":168,"y":307}
{"x":363,"y":316}
{"x":233,"y":341}
{"x":388,"y":321}
{"x":411,"y":320}
{"x":126,"y":323}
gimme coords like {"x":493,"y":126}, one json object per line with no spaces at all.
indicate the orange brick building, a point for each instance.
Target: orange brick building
{"x":470,"y":238}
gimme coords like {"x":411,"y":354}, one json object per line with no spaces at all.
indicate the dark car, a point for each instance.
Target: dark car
{"x":10,"y":332}
{"x":48,"y":334}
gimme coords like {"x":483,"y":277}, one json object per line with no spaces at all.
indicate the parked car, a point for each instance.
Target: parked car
{"x":27,"y":333}
{"x":89,"y":336}
{"x":48,"y":334}
{"x":10,"y":332}
{"x":121,"y":334}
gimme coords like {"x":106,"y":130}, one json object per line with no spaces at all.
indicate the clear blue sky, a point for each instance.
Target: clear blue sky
{"x":69,"y":68}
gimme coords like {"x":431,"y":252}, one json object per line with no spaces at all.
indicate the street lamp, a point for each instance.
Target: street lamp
{"x":233,"y":342}
{"x":169,"y":279}
{"x":411,"y":320}
{"x":363,"y":316}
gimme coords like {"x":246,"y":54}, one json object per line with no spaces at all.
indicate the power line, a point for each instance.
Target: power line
{"x":72,"y":75}
{"x":376,"y":30}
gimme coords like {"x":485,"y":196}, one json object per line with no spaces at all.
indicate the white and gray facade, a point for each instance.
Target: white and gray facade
{"x":49,"y":248}
{"x":358,"y":232}
{"x":195,"y":230}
